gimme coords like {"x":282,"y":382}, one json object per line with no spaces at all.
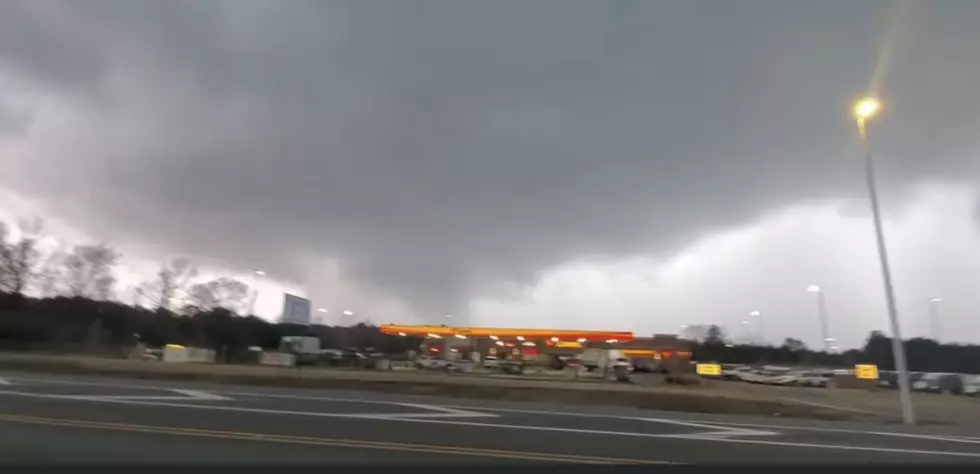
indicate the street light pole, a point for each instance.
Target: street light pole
{"x":762,"y":326}
{"x":253,"y":299}
{"x":349,"y":316}
{"x":934,"y":318}
{"x":822,"y":317}
{"x":746,"y":333}
{"x":824,"y":324}
{"x":865,"y":109}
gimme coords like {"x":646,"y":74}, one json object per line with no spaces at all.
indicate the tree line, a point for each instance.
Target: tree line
{"x":63,"y":300}
{"x":87,"y":271}
{"x":924,"y":355}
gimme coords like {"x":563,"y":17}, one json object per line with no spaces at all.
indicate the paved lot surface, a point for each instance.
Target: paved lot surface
{"x":954,"y":409}
{"x":91,"y":419}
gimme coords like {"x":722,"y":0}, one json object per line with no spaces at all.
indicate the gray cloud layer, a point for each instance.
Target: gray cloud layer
{"x":438,"y":148}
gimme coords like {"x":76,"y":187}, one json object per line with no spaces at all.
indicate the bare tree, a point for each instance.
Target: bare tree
{"x":695,"y":332}
{"x":5,"y":251}
{"x":88,"y":271}
{"x":18,"y":258}
{"x":172,"y":281}
{"x":225,"y":293}
{"x":49,"y":273}
{"x":794,"y":345}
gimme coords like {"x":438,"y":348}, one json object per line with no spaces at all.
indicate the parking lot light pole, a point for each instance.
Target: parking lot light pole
{"x":762,"y":327}
{"x":934,"y":318}
{"x":822,"y":316}
{"x":864,"y":110}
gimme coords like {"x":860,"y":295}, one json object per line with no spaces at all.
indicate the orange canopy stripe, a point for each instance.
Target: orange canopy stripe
{"x":507,"y":333}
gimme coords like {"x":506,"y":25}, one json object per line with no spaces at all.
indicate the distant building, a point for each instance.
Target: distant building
{"x":295,"y":310}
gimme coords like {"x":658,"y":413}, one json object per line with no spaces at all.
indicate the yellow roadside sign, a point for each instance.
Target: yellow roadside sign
{"x":866,"y":371}
{"x":709,"y":369}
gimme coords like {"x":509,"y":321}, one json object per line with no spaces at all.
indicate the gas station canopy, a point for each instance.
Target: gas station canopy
{"x":507,"y":333}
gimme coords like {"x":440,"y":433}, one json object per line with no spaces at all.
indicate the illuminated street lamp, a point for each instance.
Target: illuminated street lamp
{"x":864,"y":110}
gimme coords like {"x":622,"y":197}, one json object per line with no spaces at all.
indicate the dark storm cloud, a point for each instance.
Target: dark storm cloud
{"x":439,"y":147}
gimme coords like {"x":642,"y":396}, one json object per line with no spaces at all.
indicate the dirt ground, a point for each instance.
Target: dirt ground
{"x":929,"y":407}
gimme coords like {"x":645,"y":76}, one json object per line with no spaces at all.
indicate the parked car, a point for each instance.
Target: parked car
{"x":936,"y":382}
{"x":917,"y":382}
{"x":623,"y":361}
{"x":734,"y":372}
{"x":814,"y":378}
{"x":512,"y":366}
{"x":786,"y":378}
{"x":888,"y":379}
{"x":755,"y":376}
{"x":432,"y":363}
{"x":971,"y":385}
{"x":491,"y":362}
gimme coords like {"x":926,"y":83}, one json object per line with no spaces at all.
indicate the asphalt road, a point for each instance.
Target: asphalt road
{"x":72,"y":420}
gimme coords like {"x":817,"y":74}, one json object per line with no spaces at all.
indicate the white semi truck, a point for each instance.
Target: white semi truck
{"x":601,"y":359}
{"x":305,"y":348}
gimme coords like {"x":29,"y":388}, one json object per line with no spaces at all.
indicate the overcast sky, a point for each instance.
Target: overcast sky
{"x":617,"y":164}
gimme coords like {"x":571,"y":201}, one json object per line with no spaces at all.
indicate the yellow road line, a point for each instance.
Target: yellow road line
{"x":330,"y":442}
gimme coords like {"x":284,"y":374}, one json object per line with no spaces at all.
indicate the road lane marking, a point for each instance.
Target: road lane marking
{"x":168,"y":402}
{"x":876,"y":449}
{"x":440,"y":411}
{"x":935,"y":437}
{"x":185,"y":395}
{"x":436,"y":411}
{"x":198,"y":394}
{"x":688,"y":437}
{"x":327,"y":442}
{"x":367,"y":416}
{"x":4,"y":381}
{"x":835,"y":407}
{"x":720,"y":425}
{"x":466,"y":411}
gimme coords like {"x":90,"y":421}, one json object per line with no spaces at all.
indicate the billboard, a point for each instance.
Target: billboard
{"x":295,"y":310}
